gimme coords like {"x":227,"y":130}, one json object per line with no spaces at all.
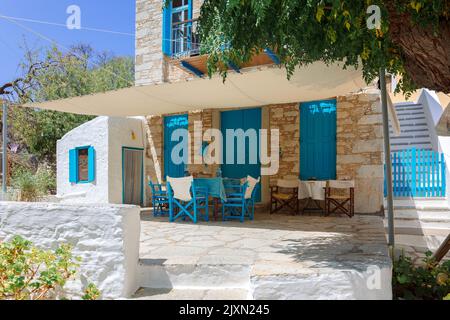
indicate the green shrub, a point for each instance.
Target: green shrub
{"x":30,"y":273}
{"x":33,"y":185}
{"x":46,"y":180}
{"x":430,"y":281}
{"x":91,"y":292}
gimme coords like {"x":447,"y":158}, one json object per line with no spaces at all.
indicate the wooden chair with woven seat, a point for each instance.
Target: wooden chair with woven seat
{"x":284,"y":194}
{"x":340,"y":197}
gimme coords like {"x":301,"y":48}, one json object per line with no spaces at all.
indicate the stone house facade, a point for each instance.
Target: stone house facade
{"x":359,"y":139}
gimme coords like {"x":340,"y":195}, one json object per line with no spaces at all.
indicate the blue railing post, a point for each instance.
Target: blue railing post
{"x":413,"y":171}
{"x":443,"y":182}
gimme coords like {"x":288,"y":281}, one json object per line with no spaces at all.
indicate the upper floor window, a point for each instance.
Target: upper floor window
{"x":179,"y":36}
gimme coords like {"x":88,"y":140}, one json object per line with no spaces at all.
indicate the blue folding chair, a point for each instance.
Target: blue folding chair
{"x":191,"y":209}
{"x":250,"y":203}
{"x":160,"y":199}
{"x":235,"y":205}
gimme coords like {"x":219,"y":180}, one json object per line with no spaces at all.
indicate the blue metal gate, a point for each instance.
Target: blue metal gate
{"x":418,"y":173}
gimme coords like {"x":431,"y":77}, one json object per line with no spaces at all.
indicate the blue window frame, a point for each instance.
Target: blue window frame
{"x":177,"y":27}
{"x":82,"y":164}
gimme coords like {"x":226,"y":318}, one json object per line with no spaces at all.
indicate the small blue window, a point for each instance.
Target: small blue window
{"x":82,"y":165}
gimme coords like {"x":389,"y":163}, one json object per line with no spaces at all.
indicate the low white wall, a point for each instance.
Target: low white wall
{"x":338,"y":285}
{"x":444,"y":147}
{"x":433,"y":111}
{"x":105,"y":237}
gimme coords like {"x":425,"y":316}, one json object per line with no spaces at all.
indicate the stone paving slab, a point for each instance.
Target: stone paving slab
{"x":272,"y":244}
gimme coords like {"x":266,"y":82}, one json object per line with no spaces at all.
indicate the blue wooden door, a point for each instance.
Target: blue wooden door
{"x":318,"y":140}
{"x":241,"y":119}
{"x":172,"y":123}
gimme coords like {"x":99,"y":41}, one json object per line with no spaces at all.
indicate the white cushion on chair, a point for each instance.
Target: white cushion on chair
{"x":287,"y":183}
{"x":252,"y":182}
{"x":341,"y":184}
{"x":181,"y":187}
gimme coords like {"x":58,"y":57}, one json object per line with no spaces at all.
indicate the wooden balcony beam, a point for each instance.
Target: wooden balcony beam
{"x":186,"y":65}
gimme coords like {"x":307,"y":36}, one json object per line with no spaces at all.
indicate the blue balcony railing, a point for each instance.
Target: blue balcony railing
{"x":185,"y":39}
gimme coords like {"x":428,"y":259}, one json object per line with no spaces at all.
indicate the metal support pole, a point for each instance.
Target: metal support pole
{"x":4,"y":149}
{"x":387,"y":159}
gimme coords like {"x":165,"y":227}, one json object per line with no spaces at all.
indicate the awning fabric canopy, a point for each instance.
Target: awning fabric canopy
{"x":253,"y":87}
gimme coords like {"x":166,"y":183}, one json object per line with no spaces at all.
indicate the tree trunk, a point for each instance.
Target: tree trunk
{"x":426,"y":55}
{"x":443,"y":249}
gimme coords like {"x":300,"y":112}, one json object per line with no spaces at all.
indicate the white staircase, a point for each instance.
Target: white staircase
{"x":414,"y":128}
{"x":420,"y":225}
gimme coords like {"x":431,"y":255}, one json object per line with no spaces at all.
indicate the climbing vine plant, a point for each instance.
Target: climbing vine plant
{"x":411,"y":39}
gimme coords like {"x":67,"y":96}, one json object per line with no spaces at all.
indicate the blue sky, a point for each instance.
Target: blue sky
{"x":115,"y":15}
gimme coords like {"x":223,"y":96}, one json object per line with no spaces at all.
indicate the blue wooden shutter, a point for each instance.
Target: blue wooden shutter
{"x":241,"y":119}
{"x":172,"y":123}
{"x":167,"y":36}
{"x":91,"y":164}
{"x":318,"y":140}
{"x":73,"y":166}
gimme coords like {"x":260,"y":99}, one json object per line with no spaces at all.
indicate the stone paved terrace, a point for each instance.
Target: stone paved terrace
{"x":273,"y":257}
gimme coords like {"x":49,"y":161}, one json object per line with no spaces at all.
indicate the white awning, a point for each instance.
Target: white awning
{"x":252,"y":87}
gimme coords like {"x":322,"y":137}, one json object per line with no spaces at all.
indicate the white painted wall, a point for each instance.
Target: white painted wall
{"x":107,"y":135}
{"x":433,"y":112}
{"x":121,"y":135}
{"x":105,"y":237}
{"x":444,"y":147}
{"x":93,"y":133}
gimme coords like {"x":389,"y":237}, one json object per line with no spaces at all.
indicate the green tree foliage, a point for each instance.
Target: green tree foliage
{"x":305,"y":31}
{"x":57,"y":75}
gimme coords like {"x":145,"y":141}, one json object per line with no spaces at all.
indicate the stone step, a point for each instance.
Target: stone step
{"x":434,"y":204}
{"x":397,"y":146}
{"x":191,"y":294}
{"x":410,"y":112}
{"x":425,"y":216}
{"x":400,"y":138}
{"x":411,"y":131}
{"x":419,"y":228}
{"x":408,"y":107}
{"x":419,"y":243}
{"x":414,"y":125}
{"x":407,"y":118}
{"x":159,"y":273}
